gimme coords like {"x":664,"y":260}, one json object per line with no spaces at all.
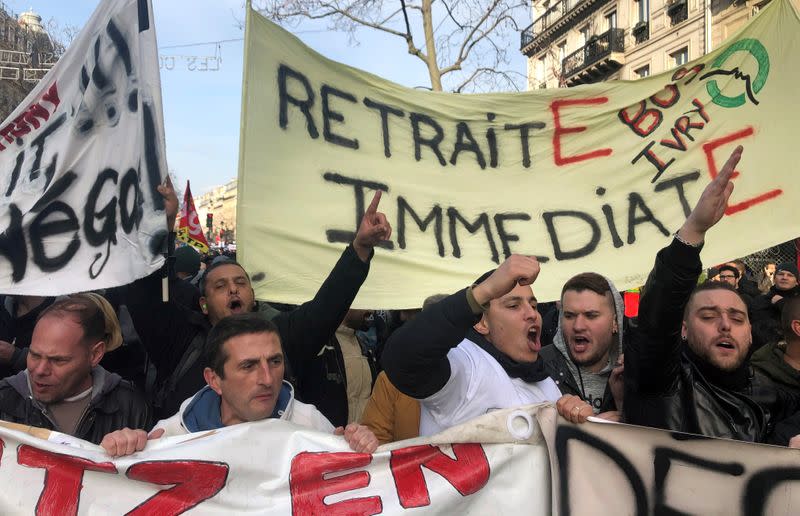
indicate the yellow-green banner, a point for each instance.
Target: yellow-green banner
{"x":592,"y":178}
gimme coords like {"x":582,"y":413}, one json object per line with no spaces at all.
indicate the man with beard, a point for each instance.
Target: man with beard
{"x":175,"y":336}
{"x":586,"y":356}
{"x":686,"y":366}
{"x":745,"y":286}
{"x":458,"y":378}
{"x":766,"y":308}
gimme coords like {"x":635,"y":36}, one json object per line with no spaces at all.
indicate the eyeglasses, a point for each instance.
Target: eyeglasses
{"x":727,"y":276}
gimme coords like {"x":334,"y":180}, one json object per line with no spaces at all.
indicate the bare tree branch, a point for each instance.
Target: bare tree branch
{"x":450,"y":13}
{"x":465,"y":40}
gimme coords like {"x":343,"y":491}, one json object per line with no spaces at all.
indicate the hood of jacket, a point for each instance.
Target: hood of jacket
{"x":201,"y":412}
{"x":616,"y":347}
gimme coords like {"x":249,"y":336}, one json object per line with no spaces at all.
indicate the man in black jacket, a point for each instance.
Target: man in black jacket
{"x":686,"y":365}
{"x":63,"y":387}
{"x":175,"y":337}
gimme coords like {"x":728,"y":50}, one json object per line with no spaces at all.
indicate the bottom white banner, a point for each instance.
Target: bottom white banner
{"x":500,"y":463}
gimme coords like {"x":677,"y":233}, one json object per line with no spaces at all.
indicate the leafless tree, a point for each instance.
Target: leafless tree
{"x":465,"y":45}
{"x":61,"y":35}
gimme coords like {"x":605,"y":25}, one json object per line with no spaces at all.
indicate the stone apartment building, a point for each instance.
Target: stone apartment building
{"x":573,"y":42}
{"x":26,"y":54}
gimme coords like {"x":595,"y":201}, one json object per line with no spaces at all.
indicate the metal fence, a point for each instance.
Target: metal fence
{"x":786,"y":252}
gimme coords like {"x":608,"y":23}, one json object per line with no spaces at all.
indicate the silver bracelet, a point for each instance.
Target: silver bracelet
{"x":685,"y":242}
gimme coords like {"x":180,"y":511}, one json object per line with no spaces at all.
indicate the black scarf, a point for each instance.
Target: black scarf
{"x":775,"y":291}
{"x":530,"y":372}
{"x":736,"y":380}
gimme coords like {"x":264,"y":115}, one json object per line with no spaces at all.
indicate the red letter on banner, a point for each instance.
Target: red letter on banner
{"x":468,"y":472}
{"x":555,"y":107}
{"x":194,"y":481}
{"x":63,"y":479}
{"x":309,"y":487}
{"x":709,"y":148}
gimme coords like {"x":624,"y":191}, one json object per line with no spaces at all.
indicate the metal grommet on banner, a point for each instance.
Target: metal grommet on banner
{"x":520,"y":425}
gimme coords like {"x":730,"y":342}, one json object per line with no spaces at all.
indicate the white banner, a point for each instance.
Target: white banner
{"x":496,"y":464}
{"x":80,"y":160}
{"x":275,"y":467}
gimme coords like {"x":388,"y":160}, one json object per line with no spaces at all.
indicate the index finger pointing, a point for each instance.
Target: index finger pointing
{"x":373,"y":206}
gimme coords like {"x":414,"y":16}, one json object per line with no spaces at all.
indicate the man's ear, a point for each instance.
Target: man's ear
{"x":213,"y":380}
{"x":796,"y":327}
{"x":614,"y":326}
{"x":483,"y":326}
{"x":203,"y":305}
{"x":684,"y":331}
{"x":96,"y":352}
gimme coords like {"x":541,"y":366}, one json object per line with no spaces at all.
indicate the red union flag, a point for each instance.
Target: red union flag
{"x":189,"y":229}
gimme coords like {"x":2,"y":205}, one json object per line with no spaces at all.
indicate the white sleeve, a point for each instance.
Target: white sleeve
{"x":171,"y":426}
{"x":307,"y":415}
{"x":447,"y":402}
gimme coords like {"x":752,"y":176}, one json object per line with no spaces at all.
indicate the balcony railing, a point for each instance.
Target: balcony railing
{"x":550,"y":16}
{"x":641,"y":32}
{"x":596,"y":49}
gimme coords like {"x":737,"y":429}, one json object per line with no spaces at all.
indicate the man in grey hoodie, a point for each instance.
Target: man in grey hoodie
{"x":586,"y":358}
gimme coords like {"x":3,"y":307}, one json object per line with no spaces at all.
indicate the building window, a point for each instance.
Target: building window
{"x":643,"y":8}
{"x":562,"y":52}
{"x":680,"y":57}
{"x":584,"y":35}
{"x":540,"y":72}
{"x":677,"y":10}
{"x":611,"y":20}
{"x":642,"y":72}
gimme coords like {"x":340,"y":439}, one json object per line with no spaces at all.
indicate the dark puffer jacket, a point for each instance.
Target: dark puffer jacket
{"x":665,"y":384}
{"x":115,"y":404}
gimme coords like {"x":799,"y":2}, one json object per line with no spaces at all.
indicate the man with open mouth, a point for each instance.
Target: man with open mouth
{"x":475,"y":351}
{"x":585,"y":359}
{"x":175,"y":336}
{"x":686,"y":366}
{"x":64,"y":387}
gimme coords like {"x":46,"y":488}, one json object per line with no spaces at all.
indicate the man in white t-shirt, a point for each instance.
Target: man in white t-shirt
{"x":476,"y":351}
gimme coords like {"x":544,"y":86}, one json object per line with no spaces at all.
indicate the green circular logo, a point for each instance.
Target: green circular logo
{"x":759,"y":52}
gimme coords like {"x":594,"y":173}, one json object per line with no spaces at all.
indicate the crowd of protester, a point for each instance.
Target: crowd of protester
{"x":720,"y":358}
